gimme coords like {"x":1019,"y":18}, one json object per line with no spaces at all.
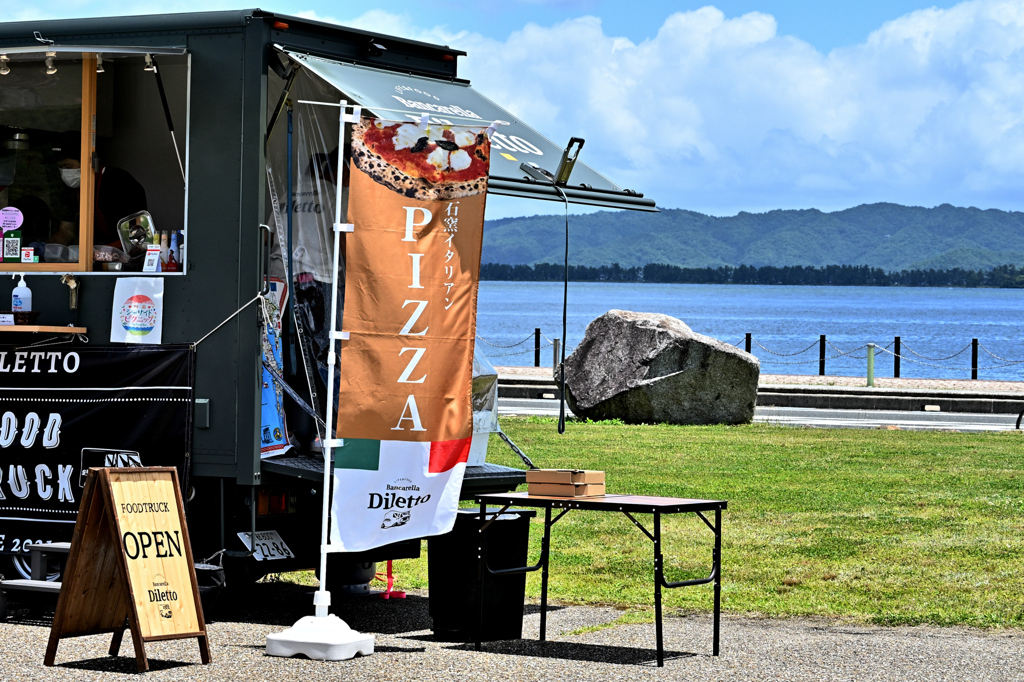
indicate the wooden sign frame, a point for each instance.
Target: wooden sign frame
{"x":97,"y":593}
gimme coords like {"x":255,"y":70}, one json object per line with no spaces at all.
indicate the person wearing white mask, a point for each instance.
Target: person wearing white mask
{"x":118,"y":195}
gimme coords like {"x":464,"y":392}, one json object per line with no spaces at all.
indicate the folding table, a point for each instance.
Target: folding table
{"x":628,"y":505}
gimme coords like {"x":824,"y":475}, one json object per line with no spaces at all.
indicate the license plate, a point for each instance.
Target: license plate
{"x":269,"y":546}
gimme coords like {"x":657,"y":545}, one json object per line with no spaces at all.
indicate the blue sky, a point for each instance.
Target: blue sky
{"x":740,"y":105}
{"x":825,"y":24}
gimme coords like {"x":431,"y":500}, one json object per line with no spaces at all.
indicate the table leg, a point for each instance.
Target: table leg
{"x":658,"y":576}
{"x":37,"y":563}
{"x":480,"y":577}
{"x":718,"y":576}
{"x":544,"y":547}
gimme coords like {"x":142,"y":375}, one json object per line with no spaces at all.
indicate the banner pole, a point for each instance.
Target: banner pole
{"x":322,"y":599}
{"x":325,"y":636}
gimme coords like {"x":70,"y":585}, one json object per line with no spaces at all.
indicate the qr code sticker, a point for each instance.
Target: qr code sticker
{"x":12,"y":248}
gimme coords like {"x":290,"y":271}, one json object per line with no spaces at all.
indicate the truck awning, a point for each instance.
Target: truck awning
{"x":457,"y":103}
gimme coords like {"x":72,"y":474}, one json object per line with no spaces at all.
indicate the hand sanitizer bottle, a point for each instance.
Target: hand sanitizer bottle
{"x":21,"y":297}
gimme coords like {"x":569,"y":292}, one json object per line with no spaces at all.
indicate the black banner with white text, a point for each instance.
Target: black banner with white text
{"x":66,"y":408}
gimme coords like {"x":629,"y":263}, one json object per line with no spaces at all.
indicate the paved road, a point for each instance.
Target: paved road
{"x":803,"y":416}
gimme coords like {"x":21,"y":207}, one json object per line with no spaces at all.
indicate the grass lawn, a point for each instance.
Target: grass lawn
{"x":889,"y":527}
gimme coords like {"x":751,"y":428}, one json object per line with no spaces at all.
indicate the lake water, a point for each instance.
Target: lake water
{"x":933,"y":322}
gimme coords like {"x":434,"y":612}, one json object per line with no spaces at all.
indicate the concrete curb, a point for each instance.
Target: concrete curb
{"x":825,"y":397}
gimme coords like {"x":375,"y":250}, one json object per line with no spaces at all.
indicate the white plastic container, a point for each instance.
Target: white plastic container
{"x":21,"y":297}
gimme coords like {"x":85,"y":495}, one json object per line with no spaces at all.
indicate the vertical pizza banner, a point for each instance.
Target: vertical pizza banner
{"x":416,"y":199}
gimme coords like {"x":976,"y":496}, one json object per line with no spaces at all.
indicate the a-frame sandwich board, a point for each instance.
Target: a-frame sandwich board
{"x":130,"y":565}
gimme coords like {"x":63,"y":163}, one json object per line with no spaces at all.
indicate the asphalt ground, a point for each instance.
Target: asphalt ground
{"x":584,"y":644}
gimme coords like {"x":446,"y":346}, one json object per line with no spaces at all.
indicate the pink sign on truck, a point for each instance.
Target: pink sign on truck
{"x":11,"y":218}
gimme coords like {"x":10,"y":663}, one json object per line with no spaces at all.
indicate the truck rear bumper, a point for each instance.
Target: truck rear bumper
{"x":485,"y":478}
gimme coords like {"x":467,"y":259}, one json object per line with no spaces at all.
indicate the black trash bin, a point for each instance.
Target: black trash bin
{"x":210,"y":580}
{"x":452,"y":574}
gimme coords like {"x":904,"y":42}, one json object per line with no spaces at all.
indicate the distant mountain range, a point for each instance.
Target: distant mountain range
{"x":886,"y":236}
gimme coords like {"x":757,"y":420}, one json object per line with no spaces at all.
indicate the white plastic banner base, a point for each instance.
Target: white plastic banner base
{"x":323,"y":638}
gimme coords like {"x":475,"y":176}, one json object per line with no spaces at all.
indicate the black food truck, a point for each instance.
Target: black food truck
{"x":166,"y":197}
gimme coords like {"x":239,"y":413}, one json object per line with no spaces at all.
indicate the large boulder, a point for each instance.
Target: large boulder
{"x":645,"y":368}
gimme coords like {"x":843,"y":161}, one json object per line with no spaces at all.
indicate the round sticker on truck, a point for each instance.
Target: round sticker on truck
{"x":11,"y":218}
{"x":138,"y":315}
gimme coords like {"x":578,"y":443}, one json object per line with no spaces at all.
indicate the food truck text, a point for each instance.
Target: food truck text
{"x":30,"y":361}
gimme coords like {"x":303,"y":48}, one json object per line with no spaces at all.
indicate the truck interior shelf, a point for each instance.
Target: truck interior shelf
{"x":36,"y":328}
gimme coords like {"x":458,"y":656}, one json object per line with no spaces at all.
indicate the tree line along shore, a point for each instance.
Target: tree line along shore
{"x":1001,"y":276}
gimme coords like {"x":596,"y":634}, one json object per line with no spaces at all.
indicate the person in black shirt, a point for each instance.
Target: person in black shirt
{"x":118,"y":195}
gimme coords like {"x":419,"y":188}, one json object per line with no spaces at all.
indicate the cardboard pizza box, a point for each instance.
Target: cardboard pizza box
{"x":566,"y":489}
{"x":564,"y":476}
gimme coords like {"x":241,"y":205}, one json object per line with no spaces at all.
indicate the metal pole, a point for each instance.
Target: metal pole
{"x":167,"y":116}
{"x":536,"y":347}
{"x":718,"y":578}
{"x":291,"y":212}
{"x":480,"y":577}
{"x":322,"y":599}
{"x":974,"y":359}
{"x":747,"y":348}
{"x":871,"y":364}
{"x":252,"y":496}
{"x":222,"y":545}
{"x":554,"y":362}
{"x":896,"y":359}
{"x":821,"y":356}
{"x":658,"y":576}
{"x":544,"y":548}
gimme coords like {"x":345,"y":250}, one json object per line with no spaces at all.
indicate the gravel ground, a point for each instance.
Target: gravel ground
{"x":752,"y":649}
{"x":510,"y":373}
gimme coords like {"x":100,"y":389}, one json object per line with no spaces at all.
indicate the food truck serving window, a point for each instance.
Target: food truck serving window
{"x":91,"y":176}
{"x":451,"y":102}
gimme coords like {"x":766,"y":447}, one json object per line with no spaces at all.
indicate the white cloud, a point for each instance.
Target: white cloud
{"x":725,"y":114}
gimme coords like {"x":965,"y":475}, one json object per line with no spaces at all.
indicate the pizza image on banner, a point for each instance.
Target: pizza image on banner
{"x":417,"y":194}
{"x":432,"y":162}
{"x":405,"y":490}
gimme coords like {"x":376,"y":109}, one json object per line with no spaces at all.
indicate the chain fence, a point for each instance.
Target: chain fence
{"x":906,"y":354}
{"x":496,"y":345}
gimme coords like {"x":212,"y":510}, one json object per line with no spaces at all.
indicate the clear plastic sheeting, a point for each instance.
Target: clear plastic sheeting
{"x":311,"y":204}
{"x":485,"y":394}
{"x":314,"y":166}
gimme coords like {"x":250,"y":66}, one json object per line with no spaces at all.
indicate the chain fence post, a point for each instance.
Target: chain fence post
{"x":896,"y":359}
{"x":557,"y":345}
{"x":821,"y":356}
{"x":974,"y":359}
{"x":536,"y":347}
{"x":871,"y":364}
{"x":747,"y":341}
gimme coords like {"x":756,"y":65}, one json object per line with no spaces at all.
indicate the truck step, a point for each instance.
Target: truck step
{"x":52,"y":587}
{"x":43,"y":586}
{"x":50,"y":547}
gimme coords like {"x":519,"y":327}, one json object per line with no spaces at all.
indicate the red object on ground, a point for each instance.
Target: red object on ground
{"x":390,"y":579}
